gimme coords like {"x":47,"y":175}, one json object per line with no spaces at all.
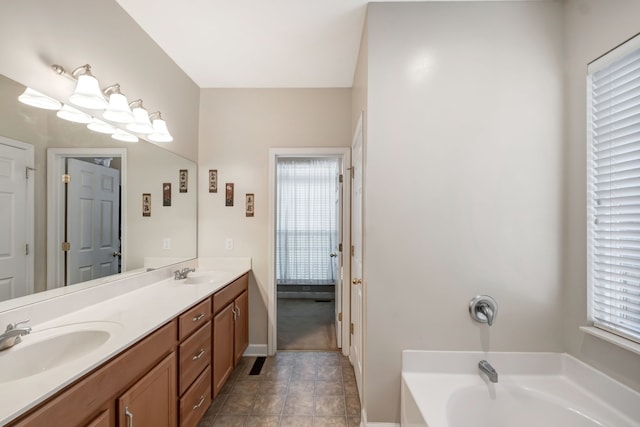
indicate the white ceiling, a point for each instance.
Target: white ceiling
{"x":257,"y":43}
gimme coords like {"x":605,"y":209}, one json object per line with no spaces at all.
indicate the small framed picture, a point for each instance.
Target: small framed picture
{"x":228,"y":194}
{"x":250,"y":199}
{"x":146,"y":204}
{"x":166,"y":194}
{"x":213,"y":180}
{"x":183,"y":182}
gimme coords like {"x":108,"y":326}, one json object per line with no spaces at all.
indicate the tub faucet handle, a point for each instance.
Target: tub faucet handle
{"x":483,"y":309}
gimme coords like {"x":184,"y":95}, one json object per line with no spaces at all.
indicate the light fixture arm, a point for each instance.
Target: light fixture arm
{"x":109,"y":90}
{"x":82,"y":70}
{"x":155,"y":115}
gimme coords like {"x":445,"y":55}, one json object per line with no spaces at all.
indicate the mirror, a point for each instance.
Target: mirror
{"x":166,"y":236}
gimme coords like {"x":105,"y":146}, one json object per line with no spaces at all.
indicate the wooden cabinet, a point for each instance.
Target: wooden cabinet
{"x":152,"y":400}
{"x":102,"y":420}
{"x":195,"y":402}
{"x":230,"y":329}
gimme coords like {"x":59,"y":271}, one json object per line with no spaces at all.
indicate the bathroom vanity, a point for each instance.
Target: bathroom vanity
{"x":165,"y":375}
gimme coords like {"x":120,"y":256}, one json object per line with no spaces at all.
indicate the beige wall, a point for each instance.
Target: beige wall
{"x":237,"y":128}
{"x":592,"y":28}
{"x":464,"y":179}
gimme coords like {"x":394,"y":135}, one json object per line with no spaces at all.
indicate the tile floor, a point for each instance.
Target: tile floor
{"x":294,"y":388}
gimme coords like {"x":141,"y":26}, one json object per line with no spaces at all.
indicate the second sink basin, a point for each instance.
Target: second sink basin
{"x":206,"y":276}
{"x":50,"y":348}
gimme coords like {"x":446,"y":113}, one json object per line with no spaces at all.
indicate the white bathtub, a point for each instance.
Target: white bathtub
{"x":445,"y":389}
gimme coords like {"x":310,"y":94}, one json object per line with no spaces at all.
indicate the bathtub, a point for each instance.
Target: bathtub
{"x":445,"y":389}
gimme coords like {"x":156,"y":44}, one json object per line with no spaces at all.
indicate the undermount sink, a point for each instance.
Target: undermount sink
{"x":206,"y":276}
{"x":51,"y":348}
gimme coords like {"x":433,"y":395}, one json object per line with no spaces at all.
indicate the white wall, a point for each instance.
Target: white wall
{"x":592,"y":28}
{"x":237,"y":128}
{"x":464,"y":179}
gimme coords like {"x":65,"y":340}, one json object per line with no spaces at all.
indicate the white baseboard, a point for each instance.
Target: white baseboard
{"x":256,"y":350}
{"x":368,"y":424}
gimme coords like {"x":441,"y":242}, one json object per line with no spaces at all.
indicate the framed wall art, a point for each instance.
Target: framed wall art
{"x":250,"y":200}
{"x":146,"y":204}
{"x":166,"y":194}
{"x":213,"y":180}
{"x":228,"y":194}
{"x":183,"y":182}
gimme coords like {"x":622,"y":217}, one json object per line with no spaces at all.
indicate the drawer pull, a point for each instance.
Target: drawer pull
{"x":198,"y":317}
{"x":199,"y":404}
{"x":129,"y":416}
{"x":199,"y":355}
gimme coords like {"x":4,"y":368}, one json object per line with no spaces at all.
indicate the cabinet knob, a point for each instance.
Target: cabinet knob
{"x":356,"y":281}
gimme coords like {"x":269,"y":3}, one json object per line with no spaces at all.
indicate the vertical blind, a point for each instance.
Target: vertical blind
{"x":307,"y":220}
{"x":614,"y":190}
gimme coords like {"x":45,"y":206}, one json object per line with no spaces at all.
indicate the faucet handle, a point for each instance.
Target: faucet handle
{"x":12,"y":326}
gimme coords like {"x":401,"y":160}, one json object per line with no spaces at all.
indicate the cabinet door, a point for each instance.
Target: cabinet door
{"x":241,"y":333}
{"x":102,"y":420}
{"x":152,"y":401}
{"x":223,"y":330}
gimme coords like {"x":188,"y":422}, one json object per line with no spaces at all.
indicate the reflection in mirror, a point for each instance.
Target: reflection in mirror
{"x":37,"y":226}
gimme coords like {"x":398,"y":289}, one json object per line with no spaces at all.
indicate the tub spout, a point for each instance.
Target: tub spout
{"x":488,"y":370}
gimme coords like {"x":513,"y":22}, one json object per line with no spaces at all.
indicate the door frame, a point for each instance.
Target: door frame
{"x":56,"y":202}
{"x":30,"y":213}
{"x":272,"y":314}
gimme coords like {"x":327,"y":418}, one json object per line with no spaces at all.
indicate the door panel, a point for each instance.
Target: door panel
{"x":223,"y":332}
{"x":13,"y":224}
{"x":93,"y":206}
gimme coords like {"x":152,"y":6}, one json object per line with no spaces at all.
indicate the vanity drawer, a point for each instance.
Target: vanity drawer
{"x":196,"y":400}
{"x":223,"y":297}
{"x":195,"y":356}
{"x":194,"y":318}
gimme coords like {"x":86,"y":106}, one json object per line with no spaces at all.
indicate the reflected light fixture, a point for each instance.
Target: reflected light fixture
{"x":141,"y":123}
{"x":160,"y":131}
{"x":125,"y":136}
{"x":67,"y":112}
{"x":118,"y":110}
{"x":101,"y":126}
{"x":37,"y":99}
{"x":87,"y":93}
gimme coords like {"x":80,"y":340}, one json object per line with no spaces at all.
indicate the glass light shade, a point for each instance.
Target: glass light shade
{"x":121,"y":135}
{"x":67,"y":112}
{"x":100,"y":126}
{"x":141,"y":123}
{"x":118,"y":110}
{"x":88,"y":94}
{"x":160,"y":132}
{"x":36,"y":99}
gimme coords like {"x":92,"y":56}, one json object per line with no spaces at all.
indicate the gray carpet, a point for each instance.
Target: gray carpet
{"x":304,"y":324}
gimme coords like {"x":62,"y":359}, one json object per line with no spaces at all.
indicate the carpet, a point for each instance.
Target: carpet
{"x":306,"y":324}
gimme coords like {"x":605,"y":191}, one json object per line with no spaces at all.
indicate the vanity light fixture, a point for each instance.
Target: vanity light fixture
{"x":160,"y":131}
{"x":34,"y":98}
{"x":101,"y":126}
{"x":67,"y":112}
{"x":141,"y":123}
{"x":87,"y":93}
{"x":125,"y":136}
{"x":118,"y":110}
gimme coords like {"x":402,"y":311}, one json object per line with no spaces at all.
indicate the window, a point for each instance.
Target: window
{"x":613,"y":190}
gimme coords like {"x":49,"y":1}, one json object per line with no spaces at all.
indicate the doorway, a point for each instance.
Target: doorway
{"x":307,"y":217}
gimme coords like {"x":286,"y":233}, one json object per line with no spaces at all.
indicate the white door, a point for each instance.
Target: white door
{"x":93,"y":221}
{"x":14,"y":235}
{"x":357,"y":320}
{"x":337,"y":255}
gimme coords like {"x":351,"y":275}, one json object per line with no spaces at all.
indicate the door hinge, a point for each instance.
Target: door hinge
{"x":65,"y":246}
{"x":341,"y":178}
{"x":66,"y":178}
{"x":353,"y":171}
{"x":353,"y":250}
{"x":26,"y":249}
{"x":351,"y":329}
{"x":340,"y":247}
{"x":26,"y":172}
{"x":340,"y":317}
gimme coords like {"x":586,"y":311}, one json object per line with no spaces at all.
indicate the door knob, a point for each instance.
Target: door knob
{"x":356,"y":281}
{"x":333,"y":255}
{"x":116,"y":254}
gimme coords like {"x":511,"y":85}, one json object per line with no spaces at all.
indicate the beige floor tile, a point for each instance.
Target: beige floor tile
{"x":354,"y":421}
{"x":304,"y":372}
{"x":330,"y":406}
{"x":329,"y":388}
{"x":262,"y":421}
{"x":274,"y":387}
{"x":245,"y":387}
{"x":298,"y":405}
{"x":353,"y":405}
{"x":268,"y":404}
{"x":329,"y":421}
{"x":326,"y":373}
{"x":301,"y":387}
{"x":287,"y":421}
{"x":238,"y":404}
{"x":229,"y":421}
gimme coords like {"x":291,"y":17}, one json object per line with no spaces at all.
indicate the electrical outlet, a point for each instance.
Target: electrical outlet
{"x":228,"y":244}
{"x":166,"y":243}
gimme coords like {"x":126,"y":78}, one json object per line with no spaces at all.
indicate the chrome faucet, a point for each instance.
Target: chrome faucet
{"x":12,"y":335}
{"x":483,"y":309}
{"x":182,"y":274}
{"x":488,"y":370}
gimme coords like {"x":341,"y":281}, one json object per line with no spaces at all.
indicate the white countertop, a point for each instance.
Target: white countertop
{"x":128,"y":317}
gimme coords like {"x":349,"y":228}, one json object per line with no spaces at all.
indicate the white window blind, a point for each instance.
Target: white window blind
{"x":614,"y":190}
{"x":307,"y":220}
